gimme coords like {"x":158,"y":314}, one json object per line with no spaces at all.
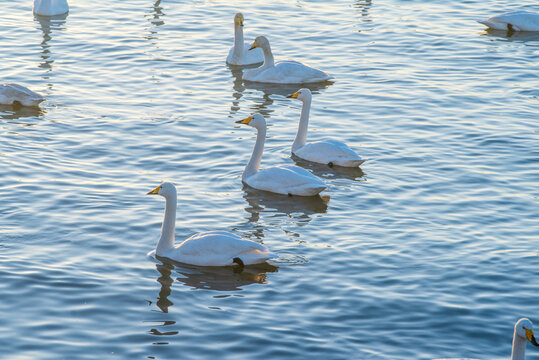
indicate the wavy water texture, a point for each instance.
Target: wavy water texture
{"x":429,"y":251}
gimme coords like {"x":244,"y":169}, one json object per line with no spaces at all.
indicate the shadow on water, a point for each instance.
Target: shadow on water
{"x":293,"y":206}
{"x":17,"y":111}
{"x":262,"y":106}
{"x":326,"y":172}
{"x":49,"y":24}
{"x":218,"y":278}
{"x":511,"y":35}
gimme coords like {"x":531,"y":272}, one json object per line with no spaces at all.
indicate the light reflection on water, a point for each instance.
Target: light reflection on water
{"x":433,"y":238}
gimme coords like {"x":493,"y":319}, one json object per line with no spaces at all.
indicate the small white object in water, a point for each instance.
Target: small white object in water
{"x":282,"y":72}
{"x":513,"y":21}
{"x":13,"y":93}
{"x":282,"y":179}
{"x":211,"y":248}
{"x":330,"y":152}
{"x":239,"y":54}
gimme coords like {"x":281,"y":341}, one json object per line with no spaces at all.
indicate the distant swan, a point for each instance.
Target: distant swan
{"x":282,"y":179}
{"x":50,"y":7}
{"x":212,"y":248}
{"x":513,"y":21}
{"x":330,"y":152}
{"x":13,"y":93}
{"x":523,"y":332}
{"x":282,"y":72}
{"x":239,"y":54}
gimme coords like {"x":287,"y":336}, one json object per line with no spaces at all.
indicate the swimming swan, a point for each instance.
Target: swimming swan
{"x":330,"y":152}
{"x":282,"y":72}
{"x":282,"y":179}
{"x":239,"y":54}
{"x":513,"y":21}
{"x":50,"y":7}
{"x":523,"y":332}
{"x":13,"y":93}
{"x":211,"y":248}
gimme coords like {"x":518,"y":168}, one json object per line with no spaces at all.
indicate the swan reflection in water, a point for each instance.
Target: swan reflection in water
{"x":264,"y":106}
{"x":512,"y":35}
{"x":335,"y":172}
{"x":17,"y":111}
{"x":48,"y":24}
{"x":218,"y":278}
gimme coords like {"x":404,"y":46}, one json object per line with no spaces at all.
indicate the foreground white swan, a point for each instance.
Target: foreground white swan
{"x":13,"y":93}
{"x":282,"y":72}
{"x":239,"y":54}
{"x":523,"y":333}
{"x":282,"y":179}
{"x":513,"y":21}
{"x":212,"y":248}
{"x":50,"y":7}
{"x":331,"y":152}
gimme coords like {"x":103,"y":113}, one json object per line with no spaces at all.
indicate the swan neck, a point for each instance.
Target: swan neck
{"x":254,"y":163}
{"x":519,"y":347}
{"x":166,"y":241}
{"x":238,"y":40}
{"x":301,"y":135}
{"x":268,"y":56}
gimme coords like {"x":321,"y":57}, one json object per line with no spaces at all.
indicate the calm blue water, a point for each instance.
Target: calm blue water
{"x":430,"y":251}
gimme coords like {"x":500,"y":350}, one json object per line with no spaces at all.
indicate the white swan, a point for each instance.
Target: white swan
{"x":13,"y":93}
{"x":331,"y":152}
{"x":523,"y":332}
{"x":513,"y":21}
{"x":282,"y":179}
{"x":239,"y":54}
{"x":212,"y":248}
{"x":282,"y":72}
{"x":50,"y":7}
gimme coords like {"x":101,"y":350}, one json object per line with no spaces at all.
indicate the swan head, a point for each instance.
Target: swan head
{"x":238,"y":19}
{"x":302,"y":94}
{"x":260,"y":42}
{"x":524,"y":329}
{"x":256,"y":120}
{"x":166,"y":190}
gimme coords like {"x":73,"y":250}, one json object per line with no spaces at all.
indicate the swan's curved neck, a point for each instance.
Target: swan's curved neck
{"x":254,"y":163}
{"x":519,"y":347}
{"x":166,"y":241}
{"x":268,"y":56}
{"x":301,"y":135}
{"x":238,"y":40}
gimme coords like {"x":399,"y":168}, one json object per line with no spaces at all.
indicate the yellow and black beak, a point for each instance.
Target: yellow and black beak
{"x":294,"y":95}
{"x":246,"y":121}
{"x":241,"y":22}
{"x":253,"y":46}
{"x":530,"y":337}
{"x":154,"y":191}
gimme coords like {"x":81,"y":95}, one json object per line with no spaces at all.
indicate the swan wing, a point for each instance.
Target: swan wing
{"x":15,"y":92}
{"x":218,"y":248}
{"x":329,"y":151}
{"x":288,"y":72}
{"x":286,"y":179}
{"x":520,"y":20}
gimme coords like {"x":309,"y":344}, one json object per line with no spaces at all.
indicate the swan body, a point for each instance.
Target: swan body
{"x":513,"y":21}
{"x":331,"y":152}
{"x":239,"y":54}
{"x":282,"y":72}
{"x":50,"y":7}
{"x":282,"y":179}
{"x":14,"y":93}
{"x":211,"y":248}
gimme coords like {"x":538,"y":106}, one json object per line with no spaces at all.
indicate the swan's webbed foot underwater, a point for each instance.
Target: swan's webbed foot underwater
{"x":240,"y":266}
{"x":289,"y":194}
{"x":330,"y":164}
